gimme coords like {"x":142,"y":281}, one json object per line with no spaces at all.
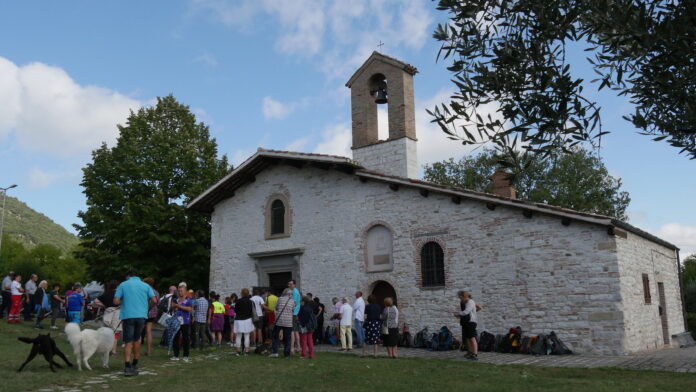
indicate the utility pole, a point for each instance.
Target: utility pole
{"x":2,"y":215}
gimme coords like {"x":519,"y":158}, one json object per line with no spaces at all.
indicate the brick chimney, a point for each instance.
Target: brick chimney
{"x":502,"y":183}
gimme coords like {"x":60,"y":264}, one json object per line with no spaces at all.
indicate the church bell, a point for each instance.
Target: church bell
{"x":381,"y":93}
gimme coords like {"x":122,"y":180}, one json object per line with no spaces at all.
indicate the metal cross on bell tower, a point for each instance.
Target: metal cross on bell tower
{"x":380,"y":45}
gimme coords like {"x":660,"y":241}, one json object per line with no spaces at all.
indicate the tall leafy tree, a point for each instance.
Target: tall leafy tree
{"x":136,"y":197}
{"x":515,"y":54}
{"x":48,"y":261}
{"x":689,"y":270}
{"x":578,"y":181}
{"x":689,"y":284}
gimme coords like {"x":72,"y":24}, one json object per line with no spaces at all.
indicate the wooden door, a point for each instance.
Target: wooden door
{"x":663,"y":312}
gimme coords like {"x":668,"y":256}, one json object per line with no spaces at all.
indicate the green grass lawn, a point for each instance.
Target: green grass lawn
{"x":218,"y":370}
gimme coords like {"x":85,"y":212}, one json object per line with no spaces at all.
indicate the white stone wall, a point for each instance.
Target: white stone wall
{"x":638,"y":256}
{"x":397,"y":157}
{"x":535,"y":273}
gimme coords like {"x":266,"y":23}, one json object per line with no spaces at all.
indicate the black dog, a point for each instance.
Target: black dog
{"x":46,"y":346}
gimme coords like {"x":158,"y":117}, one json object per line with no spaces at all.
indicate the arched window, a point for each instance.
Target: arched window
{"x":432,"y":265}
{"x":277,"y":217}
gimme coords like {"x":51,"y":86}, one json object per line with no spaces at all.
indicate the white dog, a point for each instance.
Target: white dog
{"x":87,"y":342}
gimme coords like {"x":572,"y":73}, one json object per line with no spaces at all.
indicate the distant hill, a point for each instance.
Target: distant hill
{"x":31,"y":228}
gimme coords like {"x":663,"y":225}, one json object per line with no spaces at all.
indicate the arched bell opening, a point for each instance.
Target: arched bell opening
{"x":379,"y":91}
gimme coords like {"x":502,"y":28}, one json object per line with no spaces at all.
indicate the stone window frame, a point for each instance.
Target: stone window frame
{"x":287,"y":221}
{"x":447,"y":261}
{"x":364,"y":244}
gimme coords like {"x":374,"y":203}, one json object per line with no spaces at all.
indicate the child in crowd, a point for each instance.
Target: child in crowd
{"x":75,"y":303}
{"x":56,"y":301}
{"x":217,"y":322}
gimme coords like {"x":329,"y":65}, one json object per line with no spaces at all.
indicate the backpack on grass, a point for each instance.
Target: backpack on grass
{"x":263,"y":349}
{"x":330,"y":336}
{"x":486,"y":341}
{"x":557,"y":346}
{"x":539,"y":346}
{"x":498,"y":342}
{"x":444,"y":340}
{"x":433,"y":342}
{"x":456,"y":344}
{"x":419,"y":341}
{"x":405,"y":339}
{"x":526,"y":344}
{"x":510,"y":343}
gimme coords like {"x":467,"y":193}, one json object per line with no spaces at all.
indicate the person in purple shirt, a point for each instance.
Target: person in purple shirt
{"x":184,"y":307}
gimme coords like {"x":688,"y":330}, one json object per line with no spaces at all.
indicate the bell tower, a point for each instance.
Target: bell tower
{"x":384,"y":80}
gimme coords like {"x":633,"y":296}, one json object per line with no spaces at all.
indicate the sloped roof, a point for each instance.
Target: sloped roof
{"x":377,"y":56}
{"x":262,"y":159}
{"x":246,"y":172}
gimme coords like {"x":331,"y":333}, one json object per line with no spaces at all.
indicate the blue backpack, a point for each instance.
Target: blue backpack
{"x":444,"y":339}
{"x":330,"y":336}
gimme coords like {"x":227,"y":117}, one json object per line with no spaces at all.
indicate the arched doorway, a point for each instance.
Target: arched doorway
{"x":382,"y":290}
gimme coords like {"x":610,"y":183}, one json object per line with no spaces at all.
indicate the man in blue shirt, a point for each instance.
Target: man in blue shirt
{"x":296,"y":310}
{"x":134,"y":296}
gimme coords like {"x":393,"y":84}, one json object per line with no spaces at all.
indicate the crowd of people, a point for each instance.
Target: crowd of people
{"x":34,"y":301}
{"x":246,"y":322}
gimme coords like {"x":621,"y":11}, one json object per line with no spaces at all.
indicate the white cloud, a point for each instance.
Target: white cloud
{"x":206,"y":59}
{"x":49,"y":112}
{"x":241,"y":155}
{"x":303,"y":22}
{"x":273,"y":109}
{"x":683,"y":236}
{"x":336,"y":140}
{"x":344,"y":32}
{"x":38,"y":179}
{"x":298,"y":145}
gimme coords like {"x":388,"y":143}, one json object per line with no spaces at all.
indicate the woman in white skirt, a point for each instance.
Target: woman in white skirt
{"x":243,"y":323}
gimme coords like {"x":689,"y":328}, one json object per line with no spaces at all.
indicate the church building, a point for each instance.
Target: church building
{"x":340,"y":224}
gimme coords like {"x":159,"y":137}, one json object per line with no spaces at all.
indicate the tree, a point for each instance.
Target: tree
{"x":136,"y":197}
{"x":514,"y":54}
{"x":578,"y":181}
{"x":689,"y":270}
{"x":46,"y":260}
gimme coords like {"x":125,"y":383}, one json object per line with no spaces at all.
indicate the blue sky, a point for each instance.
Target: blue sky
{"x":260,"y":73}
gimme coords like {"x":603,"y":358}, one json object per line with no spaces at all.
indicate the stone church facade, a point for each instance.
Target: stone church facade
{"x":338,"y":225}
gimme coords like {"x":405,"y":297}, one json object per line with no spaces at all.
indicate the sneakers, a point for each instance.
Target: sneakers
{"x":174,"y":358}
{"x":273,"y":356}
{"x":130,"y":371}
{"x":472,"y":357}
{"x":186,"y":359}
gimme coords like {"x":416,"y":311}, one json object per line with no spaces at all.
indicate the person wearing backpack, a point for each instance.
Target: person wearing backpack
{"x":467,"y":319}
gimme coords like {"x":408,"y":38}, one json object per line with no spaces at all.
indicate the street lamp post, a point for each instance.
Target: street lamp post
{"x":2,"y":215}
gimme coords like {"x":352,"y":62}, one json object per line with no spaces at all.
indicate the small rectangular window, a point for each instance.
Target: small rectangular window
{"x":646,"y":288}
